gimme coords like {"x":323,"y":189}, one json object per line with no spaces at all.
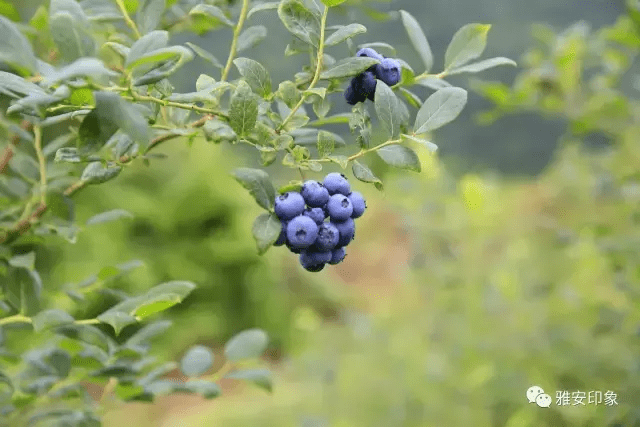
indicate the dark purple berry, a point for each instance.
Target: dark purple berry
{"x":337,"y":183}
{"x":339,"y":207}
{"x":289,"y":205}
{"x":328,"y":237}
{"x":347,"y":230}
{"x":314,"y":194}
{"x":358,"y":203}
{"x":337,"y":255}
{"x":302,"y":232}
{"x":282,"y":238}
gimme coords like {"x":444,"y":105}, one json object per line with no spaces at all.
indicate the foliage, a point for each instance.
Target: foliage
{"x":90,"y":95}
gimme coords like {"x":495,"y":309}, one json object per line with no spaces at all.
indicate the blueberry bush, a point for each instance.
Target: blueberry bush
{"x":87,"y":92}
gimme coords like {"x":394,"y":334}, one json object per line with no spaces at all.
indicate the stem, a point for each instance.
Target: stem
{"x":234,"y":42}
{"x":8,"y":151}
{"x":20,"y":318}
{"x":316,"y":76}
{"x":370,"y":150}
{"x":127,"y":18}
{"x":144,"y":98}
{"x":37,"y":132}
{"x":16,"y":318}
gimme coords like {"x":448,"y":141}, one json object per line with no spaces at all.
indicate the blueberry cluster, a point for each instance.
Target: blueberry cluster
{"x":317,"y":222}
{"x":363,"y":86}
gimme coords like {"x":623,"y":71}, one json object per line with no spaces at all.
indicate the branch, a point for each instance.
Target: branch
{"x":127,"y":18}
{"x":234,"y":42}
{"x":8,"y":151}
{"x":316,"y":76}
{"x":37,"y":132}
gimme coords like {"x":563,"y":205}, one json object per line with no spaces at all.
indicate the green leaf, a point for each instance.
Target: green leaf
{"x":120,"y":49}
{"x":260,"y":377}
{"x":411,"y":98}
{"x":364,"y":174}
{"x":196,"y":361}
{"x":144,"y":335}
{"x":107,"y":216}
{"x":6,"y":388}
{"x":482,"y":65}
{"x":256,"y":76}
{"x":70,"y":30}
{"x":442,"y":107}
{"x":259,"y":185}
{"x":300,"y":21}
{"x":51,"y":318}
{"x":418,"y":39}
{"x":400,"y":156}
{"x":388,"y":109}
{"x":326,"y":143}
{"x":205,"y":55}
{"x":16,"y":87}
{"x":348,"y":67}
{"x":206,"y":389}
{"x":331,"y":3}
{"x":113,"y":110}
{"x":247,"y":344}
{"x":266,"y":229}
{"x":15,"y":49}
{"x":251,"y":37}
{"x":428,"y":144}
{"x":95,"y":173}
{"x":149,"y":14}
{"x":263,"y":6}
{"x":467,"y":44}
{"x":213,"y":13}
{"x":161,"y":59}
{"x":345,"y":33}
{"x":126,"y":391}
{"x":27,"y":261}
{"x":68,"y":154}
{"x":96,"y":129}
{"x":156,"y":304}
{"x":433,"y":83}
{"x":147,"y":43}
{"x":243,"y":111}
{"x":343,"y":161}
{"x":291,"y":186}
{"x":88,"y":334}
{"x":117,"y":320}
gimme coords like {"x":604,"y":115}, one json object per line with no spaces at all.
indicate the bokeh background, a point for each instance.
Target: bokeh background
{"x":511,"y":260}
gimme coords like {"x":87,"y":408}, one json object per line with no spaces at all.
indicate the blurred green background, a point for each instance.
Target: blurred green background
{"x":510,"y":261}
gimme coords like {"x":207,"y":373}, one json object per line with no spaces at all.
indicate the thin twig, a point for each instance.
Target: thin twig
{"x":7,"y":154}
{"x":234,"y":42}
{"x":127,"y":18}
{"x":316,"y":76}
{"x":37,"y":132}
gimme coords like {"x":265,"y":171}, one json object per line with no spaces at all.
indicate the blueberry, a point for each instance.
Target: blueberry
{"x":328,"y":236}
{"x":366,"y":84}
{"x":282,"y":238}
{"x":337,"y":255}
{"x":292,"y":249}
{"x":310,"y":257}
{"x":314,"y":194}
{"x":337,"y":183}
{"x":347,"y":230}
{"x":339,"y":207}
{"x":352,"y":95}
{"x":316,"y":214}
{"x":289,"y":205}
{"x":359,"y":204}
{"x":389,"y":71}
{"x":302,"y":231}
{"x":369,"y":53}
{"x":314,"y":268}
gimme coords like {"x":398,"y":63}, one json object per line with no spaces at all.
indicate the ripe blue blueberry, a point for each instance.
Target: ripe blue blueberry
{"x":282,"y":238}
{"x":328,"y":237}
{"x":339,"y":207}
{"x":367,"y":84}
{"x":309,"y":257}
{"x":289,"y":205}
{"x":389,"y":71}
{"x":347,"y":230}
{"x":359,"y":204}
{"x":314,"y":194}
{"x":302,"y":231}
{"x":337,"y":183}
{"x":314,"y":268}
{"x":337,"y":255}
{"x":351,"y":95}
{"x":316,"y":214}
{"x":369,"y":53}
{"x":292,"y":249}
